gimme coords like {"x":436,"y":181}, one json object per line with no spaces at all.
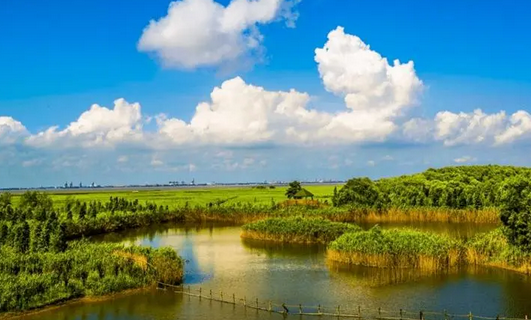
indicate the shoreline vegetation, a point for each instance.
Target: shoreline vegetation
{"x":428,"y":252}
{"x":40,"y":232}
{"x":34,"y":280}
{"x":296,"y":230}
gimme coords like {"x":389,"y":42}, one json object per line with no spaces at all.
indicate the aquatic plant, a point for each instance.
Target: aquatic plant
{"x":37,"y":279}
{"x":397,"y":248}
{"x":297,"y":230}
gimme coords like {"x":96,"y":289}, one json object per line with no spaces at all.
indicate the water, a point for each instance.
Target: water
{"x":220,"y":260}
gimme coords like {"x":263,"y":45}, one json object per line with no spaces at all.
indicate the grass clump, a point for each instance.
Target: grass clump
{"x":397,"y":248}
{"x":297,"y":230}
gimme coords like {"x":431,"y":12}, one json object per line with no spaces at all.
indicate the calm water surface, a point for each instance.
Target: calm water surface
{"x":220,"y":260}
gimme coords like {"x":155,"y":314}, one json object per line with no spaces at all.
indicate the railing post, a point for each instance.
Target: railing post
{"x":470,"y":317}
{"x":256,"y":303}
{"x":319,"y":309}
{"x":245,"y":302}
{"x":300,"y":308}
{"x":379,"y":312}
{"x":221,"y":295}
{"x":445,"y":315}
{"x":233,"y":298}
{"x":338,"y":311}
{"x":400,"y":314}
{"x":421,"y":316}
{"x":200,"y":293}
{"x":269,"y":306}
{"x":210,"y":294}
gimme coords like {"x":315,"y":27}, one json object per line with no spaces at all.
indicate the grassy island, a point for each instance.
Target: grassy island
{"x":397,"y":248}
{"x":296,"y":230}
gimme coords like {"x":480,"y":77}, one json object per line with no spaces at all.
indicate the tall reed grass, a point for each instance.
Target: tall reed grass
{"x":397,"y":248}
{"x":296,"y":230}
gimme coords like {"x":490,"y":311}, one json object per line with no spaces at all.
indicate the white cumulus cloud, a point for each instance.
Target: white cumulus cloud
{"x":475,"y":127}
{"x":98,"y":126}
{"x":375,"y":92}
{"x":11,"y":130}
{"x":199,"y":33}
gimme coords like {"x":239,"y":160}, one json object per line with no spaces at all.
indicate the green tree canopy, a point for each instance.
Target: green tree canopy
{"x":293,"y":188}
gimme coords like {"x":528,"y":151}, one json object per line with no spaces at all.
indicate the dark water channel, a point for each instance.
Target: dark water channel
{"x":220,"y":260}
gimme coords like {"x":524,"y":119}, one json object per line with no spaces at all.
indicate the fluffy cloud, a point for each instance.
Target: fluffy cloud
{"x":475,"y":127}
{"x":240,"y":113}
{"x":99,"y":126}
{"x":377,"y":97}
{"x":11,"y":130}
{"x":197,"y":33}
{"x":375,"y":92}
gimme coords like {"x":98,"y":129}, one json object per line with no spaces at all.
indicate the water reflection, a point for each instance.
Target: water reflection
{"x":220,"y":260}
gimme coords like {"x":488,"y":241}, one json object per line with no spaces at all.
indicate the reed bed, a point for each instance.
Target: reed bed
{"x":492,"y":249}
{"x":411,"y":214}
{"x":397,"y":248}
{"x":296,"y":230}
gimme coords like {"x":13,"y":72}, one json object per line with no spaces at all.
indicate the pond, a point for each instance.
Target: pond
{"x":219,"y":260}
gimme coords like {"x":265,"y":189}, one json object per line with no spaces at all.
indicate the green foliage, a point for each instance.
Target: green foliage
{"x":516,"y":211}
{"x":358,"y":191}
{"x":5,"y":200}
{"x":299,"y":229}
{"x":463,"y":187}
{"x":293,"y":188}
{"x":36,"y":279}
{"x":21,"y":237}
{"x":395,"y":242}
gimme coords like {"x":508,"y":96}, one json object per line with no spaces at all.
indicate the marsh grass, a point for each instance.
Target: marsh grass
{"x":492,"y":249}
{"x":398,"y":248}
{"x":33,"y":280}
{"x":296,"y":230}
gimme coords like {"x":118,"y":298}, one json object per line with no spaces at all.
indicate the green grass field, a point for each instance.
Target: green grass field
{"x":194,"y":196}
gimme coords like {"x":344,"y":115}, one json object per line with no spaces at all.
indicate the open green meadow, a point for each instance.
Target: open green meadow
{"x":194,"y":195}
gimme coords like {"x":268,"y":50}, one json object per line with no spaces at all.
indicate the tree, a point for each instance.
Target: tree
{"x":293,"y":188}
{"x":5,"y":200}
{"x":82,"y":211}
{"x":21,"y":235}
{"x":35,"y":236}
{"x":93,"y":212}
{"x":515,"y":213}
{"x":334,"y":197}
{"x":58,"y":239}
{"x":359,"y":191}
{"x":4,"y":232}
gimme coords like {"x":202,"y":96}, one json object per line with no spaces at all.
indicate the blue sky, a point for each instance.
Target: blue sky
{"x":59,"y":58}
